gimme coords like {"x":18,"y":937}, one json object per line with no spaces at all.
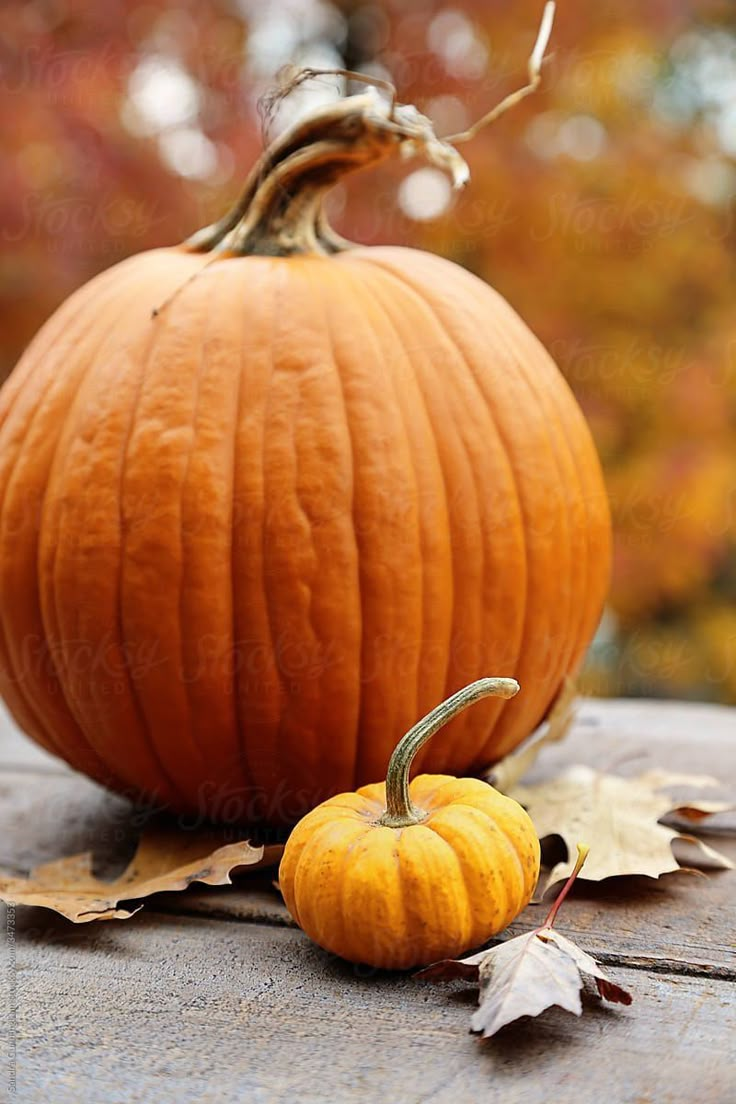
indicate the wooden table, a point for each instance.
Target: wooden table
{"x":212,"y":996}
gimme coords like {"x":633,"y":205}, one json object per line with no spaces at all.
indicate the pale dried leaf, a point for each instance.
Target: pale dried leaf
{"x":554,"y":728}
{"x":701,"y":811}
{"x":691,"y":851}
{"x":658,"y":779}
{"x":526,"y":975}
{"x":587,"y":966}
{"x":166,"y":859}
{"x":523,"y":977}
{"x":618,"y":817}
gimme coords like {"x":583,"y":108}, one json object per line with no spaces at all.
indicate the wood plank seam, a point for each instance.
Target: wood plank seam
{"x":606,"y":958}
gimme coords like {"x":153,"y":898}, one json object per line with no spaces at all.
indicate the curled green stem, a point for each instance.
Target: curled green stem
{"x":400,"y":812}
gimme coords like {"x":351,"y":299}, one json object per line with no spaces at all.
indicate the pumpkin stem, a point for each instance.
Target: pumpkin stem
{"x":400,"y":812}
{"x":279,"y":212}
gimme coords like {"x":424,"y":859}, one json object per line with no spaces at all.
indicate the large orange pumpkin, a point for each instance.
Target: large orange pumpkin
{"x":265,"y":498}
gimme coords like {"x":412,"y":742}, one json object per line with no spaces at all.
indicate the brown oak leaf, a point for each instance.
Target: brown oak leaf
{"x":621,"y":819}
{"x":166,"y":859}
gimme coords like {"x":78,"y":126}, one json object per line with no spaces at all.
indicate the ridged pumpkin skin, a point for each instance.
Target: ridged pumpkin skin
{"x":396,"y":898}
{"x":244,"y":542}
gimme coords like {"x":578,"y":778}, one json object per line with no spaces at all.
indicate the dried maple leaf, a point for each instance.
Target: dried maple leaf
{"x":505,"y":774}
{"x":530,"y":973}
{"x":621,"y":817}
{"x":166,"y":859}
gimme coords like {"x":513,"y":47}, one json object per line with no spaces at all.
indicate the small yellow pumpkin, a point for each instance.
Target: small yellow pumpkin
{"x":397,"y":875}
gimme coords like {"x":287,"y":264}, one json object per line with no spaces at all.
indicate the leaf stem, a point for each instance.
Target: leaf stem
{"x":583,"y":850}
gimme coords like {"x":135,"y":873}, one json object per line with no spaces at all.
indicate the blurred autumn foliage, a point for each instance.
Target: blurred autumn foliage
{"x":602,"y":208}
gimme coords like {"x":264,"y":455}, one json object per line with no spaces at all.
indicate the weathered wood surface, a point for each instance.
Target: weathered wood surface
{"x":210,"y":995}
{"x":176,"y":1009}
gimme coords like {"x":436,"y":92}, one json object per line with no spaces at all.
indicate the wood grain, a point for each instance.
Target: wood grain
{"x":174,"y":1009}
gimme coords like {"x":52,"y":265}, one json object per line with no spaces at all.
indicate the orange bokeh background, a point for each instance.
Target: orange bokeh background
{"x":602,"y":208}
